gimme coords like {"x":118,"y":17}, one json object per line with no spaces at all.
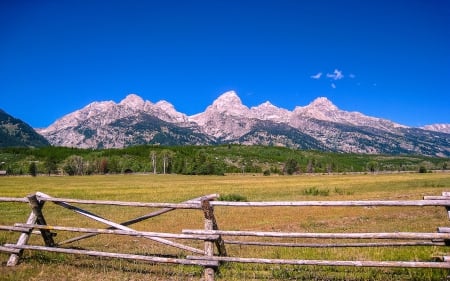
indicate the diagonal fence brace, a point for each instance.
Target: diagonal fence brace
{"x":119,"y":226}
{"x":138,"y":219}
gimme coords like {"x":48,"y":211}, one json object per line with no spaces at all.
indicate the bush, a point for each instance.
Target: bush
{"x":232,"y":198}
{"x":314,"y":191}
{"x":422,"y":169}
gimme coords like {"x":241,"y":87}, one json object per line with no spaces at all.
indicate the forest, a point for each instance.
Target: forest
{"x":204,"y":160}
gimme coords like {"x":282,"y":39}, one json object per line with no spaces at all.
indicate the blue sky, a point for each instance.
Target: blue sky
{"x":384,"y":58}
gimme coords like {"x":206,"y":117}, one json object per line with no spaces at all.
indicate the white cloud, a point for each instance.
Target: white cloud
{"x":333,"y":85}
{"x":352,"y":75}
{"x":336,"y":75}
{"x":317,"y":76}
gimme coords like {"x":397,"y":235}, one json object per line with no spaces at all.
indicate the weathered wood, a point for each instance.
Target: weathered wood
{"x":21,"y":226}
{"x":9,"y":250}
{"x":208,"y":211}
{"x":44,"y":197}
{"x":151,"y":259}
{"x":119,"y":226}
{"x":436,"y":197}
{"x":14,"y":199}
{"x":14,"y":228}
{"x":211,"y":234}
{"x":21,"y":229}
{"x":209,"y":247}
{"x":393,"y":203}
{"x":335,"y":245}
{"x":36,"y":206}
{"x":444,"y":229}
{"x":404,"y":264}
{"x":23,"y":239}
{"x":375,"y":235}
{"x":141,"y":218}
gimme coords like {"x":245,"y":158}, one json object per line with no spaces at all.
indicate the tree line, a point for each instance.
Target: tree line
{"x":203,"y":160}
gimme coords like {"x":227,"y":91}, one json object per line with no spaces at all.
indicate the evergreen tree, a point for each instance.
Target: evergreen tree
{"x":51,"y":165}
{"x":32,"y":169}
{"x":291,"y":166}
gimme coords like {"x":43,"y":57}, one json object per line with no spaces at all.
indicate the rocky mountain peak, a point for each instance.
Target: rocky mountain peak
{"x":165,"y":105}
{"x":227,"y":98}
{"x":268,"y":111}
{"x":322,"y":103}
{"x":100,"y":105}
{"x":266,"y":104}
{"x":170,"y":113}
{"x":133,"y":101}
{"x":229,"y":103}
{"x":321,"y":109}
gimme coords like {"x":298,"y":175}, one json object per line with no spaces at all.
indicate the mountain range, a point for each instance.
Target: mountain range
{"x":320,"y":126}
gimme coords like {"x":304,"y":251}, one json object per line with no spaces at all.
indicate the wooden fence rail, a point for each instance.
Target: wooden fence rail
{"x":213,"y":238}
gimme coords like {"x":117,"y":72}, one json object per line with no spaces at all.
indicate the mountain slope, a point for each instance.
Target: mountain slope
{"x":279,"y":134}
{"x":15,"y":132}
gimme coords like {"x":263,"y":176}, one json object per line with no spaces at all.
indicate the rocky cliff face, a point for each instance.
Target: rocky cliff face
{"x":320,"y":125}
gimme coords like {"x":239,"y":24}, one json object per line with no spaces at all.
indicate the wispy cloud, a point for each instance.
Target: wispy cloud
{"x":333,"y":85}
{"x":336,"y":75}
{"x":317,"y":76}
{"x":352,"y":75}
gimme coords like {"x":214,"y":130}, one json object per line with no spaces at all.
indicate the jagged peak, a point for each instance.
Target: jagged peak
{"x":266,"y":104}
{"x":322,"y":102}
{"x":229,"y":97}
{"x":171,"y":114}
{"x":164,"y":104}
{"x":101,"y":104}
{"x":167,"y":107}
{"x":133,"y":100}
{"x":230,"y":103}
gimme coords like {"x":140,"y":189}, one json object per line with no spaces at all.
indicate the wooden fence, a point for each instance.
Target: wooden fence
{"x":212,"y":237}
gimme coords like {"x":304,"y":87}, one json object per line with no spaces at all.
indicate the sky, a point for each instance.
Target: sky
{"x":384,"y":58}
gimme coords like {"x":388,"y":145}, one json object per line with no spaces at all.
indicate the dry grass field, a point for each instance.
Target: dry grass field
{"x":177,"y":188}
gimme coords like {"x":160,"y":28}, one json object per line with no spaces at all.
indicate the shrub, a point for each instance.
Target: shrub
{"x":233,"y":197}
{"x":422,"y":169}
{"x":314,"y":191}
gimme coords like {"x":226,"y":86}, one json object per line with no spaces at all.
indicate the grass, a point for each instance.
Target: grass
{"x":177,"y":188}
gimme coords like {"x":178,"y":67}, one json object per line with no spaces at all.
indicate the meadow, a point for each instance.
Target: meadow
{"x":253,"y":187}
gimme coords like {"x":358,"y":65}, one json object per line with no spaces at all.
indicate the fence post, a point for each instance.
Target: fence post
{"x":209,"y":215}
{"x":36,"y":206}
{"x":209,"y":247}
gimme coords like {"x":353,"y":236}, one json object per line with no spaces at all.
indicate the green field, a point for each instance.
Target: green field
{"x":254,"y":187}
